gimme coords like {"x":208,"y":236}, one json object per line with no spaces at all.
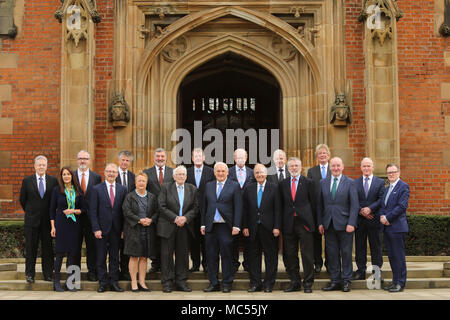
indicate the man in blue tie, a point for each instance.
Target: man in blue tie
{"x":35,"y":196}
{"x":395,"y":224}
{"x":221,"y":220}
{"x":198,"y":175}
{"x":178,"y":208}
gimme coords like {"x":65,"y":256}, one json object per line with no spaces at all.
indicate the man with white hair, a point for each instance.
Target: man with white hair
{"x":35,"y":195}
{"x":178,"y":208}
{"x":279,"y":172}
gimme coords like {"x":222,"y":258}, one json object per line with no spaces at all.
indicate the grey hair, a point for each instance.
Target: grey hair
{"x":112,"y":165}
{"x":40,"y":157}
{"x":263,"y":167}
{"x":160,"y":150}
{"x":181,"y":167}
{"x":127,"y":154}
{"x":195,"y":150}
{"x":322,"y":146}
{"x":279,"y":151}
{"x":220,"y":163}
{"x":368,"y":159}
{"x":89,"y":156}
{"x":294,"y":159}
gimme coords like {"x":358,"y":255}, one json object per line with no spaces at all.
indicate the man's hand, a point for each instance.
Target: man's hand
{"x":321,"y":229}
{"x":202,"y":230}
{"x":384,"y":221}
{"x":98,"y":234}
{"x":53,"y":233}
{"x":235,"y":231}
{"x":350,"y":228}
{"x":245,"y":232}
{"x":180,"y":221}
{"x":276,"y":232}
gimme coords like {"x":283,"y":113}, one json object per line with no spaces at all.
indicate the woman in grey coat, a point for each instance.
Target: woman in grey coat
{"x":140,"y":210}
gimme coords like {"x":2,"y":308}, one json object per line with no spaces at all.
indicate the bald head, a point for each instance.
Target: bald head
{"x":336,"y":166}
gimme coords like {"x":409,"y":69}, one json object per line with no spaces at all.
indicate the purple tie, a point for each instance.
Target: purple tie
{"x":366,"y":186}
{"x":41,"y":188}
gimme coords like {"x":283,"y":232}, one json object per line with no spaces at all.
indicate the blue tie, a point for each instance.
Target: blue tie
{"x":181,"y":198}
{"x":198,"y":175}
{"x":217,"y":214}
{"x":41,"y":188}
{"x":260,"y":193}
{"x":324,"y":172}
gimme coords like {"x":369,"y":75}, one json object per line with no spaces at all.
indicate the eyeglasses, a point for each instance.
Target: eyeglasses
{"x":85,"y":159}
{"x":392,"y":172}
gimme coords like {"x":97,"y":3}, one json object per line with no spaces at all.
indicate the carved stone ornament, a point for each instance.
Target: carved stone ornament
{"x":283,"y":48}
{"x":340,"y":113}
{"x":372,"y":14}
{"x":91,"y":8}
{"x":7,"y":26}
{"x":444,"y":30}
{"x":175,"y":49}
{"x":119,"y":112}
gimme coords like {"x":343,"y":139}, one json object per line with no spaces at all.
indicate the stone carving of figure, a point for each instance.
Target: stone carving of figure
{"x":340,"y":114}
{"x":119,"y":112}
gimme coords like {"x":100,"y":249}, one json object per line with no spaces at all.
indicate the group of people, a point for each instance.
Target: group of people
{"x":163,"y":212}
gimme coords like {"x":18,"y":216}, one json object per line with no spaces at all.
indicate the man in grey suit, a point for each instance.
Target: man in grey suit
{"x":178,"y":207}
{"x":337,"y":213}
{"x":157,"y":176}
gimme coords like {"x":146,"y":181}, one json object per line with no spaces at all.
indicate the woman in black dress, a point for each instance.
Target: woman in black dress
{"x":67,"y":203}
{"x":140,"y":211}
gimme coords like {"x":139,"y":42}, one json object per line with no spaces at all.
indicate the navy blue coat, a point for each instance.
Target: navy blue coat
{"x":395,"y":209}
{"x":373,"y":201}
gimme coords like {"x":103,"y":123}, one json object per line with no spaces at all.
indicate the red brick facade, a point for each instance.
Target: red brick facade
{"x":35,"y":85}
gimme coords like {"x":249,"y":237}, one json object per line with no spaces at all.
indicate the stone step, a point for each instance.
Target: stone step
{"x":199,"y":285}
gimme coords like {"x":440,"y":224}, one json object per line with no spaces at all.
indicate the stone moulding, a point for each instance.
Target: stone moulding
{"x":89,"y":5}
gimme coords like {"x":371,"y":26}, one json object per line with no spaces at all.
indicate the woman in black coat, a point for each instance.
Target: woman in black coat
{"x":140,"y":211}
{"x":67,"y":203}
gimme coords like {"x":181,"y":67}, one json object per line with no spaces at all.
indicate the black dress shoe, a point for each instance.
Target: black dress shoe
{"x":396,"y":288}
{"x":307,"y":290}
{"x":134,"y":290}
{"x":212,"y":288}
{"x":194,"y":269}
{"x":254,"y":289}
{"x":141,"y":288}
{"x":267,"y":289}
{"x":332,"y":286}
{"x":57,"y":287}
{"x":92,"y":277}
{"x":226,"y":289}
{"x":387,"y":288}
{"x":358,"y":275}
{"x":48,"y":278}
{"x":317,"y":268}
{"x":30,"y":279}
{"x":101,"y":288}
{"x":293,"y":287}
{"x":346,"y":287}
{"x":115,"y":287}
{"x":184,"y":288}
{"x":167,"y":289}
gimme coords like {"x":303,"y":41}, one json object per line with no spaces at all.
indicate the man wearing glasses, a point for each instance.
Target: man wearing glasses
{"x":393,"y":217}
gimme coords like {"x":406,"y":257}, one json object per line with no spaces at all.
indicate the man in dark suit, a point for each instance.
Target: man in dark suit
{"x":35,"y":196}
{"x":370,"y":193}
{"x":393,"y":217}
{"x":317,"y":173}
{"x":178,"y":208}
{"x":279,"y":172}
{"x":198,"y":175}
{"x":107,"y":225}
{"x":261,"y":225}
{"x":125,"y":178}
{"x":244,"y":176}
{"x":337,"y":213}
{"x":298,"y":225}
{"x":157,"y":175}
{"x":221,"y":220}
{"x":87,"y":179}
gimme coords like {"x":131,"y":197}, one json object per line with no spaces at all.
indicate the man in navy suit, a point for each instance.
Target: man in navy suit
{"x":393,"y":217}
{"x":370,"y":193}
{"x":244,"y":176}
{"x":198,"y":175}
{"x":337,"y":213}
{"x":299,"y":224}
{"x":87,"y":179}
{"x":261,"y":225}
{"x":220,"y":221}
{"x":107,"y":225}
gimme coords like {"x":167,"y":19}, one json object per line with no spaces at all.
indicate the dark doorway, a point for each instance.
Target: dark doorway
{"x":231,"y":92}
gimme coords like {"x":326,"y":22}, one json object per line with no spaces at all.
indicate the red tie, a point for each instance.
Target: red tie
{"x":161,"y":178}
{"x":111,"y":194}
{"x":293,"y":190}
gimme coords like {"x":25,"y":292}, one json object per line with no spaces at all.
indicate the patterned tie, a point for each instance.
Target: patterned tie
{"x":161,"y":178}
{"x":333,"y":188}
{"x":280,"y":176}
{"x":41,"y":188}
{"x":388,"y":194}
{"x":125,"y":180}
{"x":324,"y":172}
{"x":198,"y":176}
{"x":111,"y":194}
{"x":83,"y":183}
{"x":260,"y":194}
{"x":241,"y":177}
{"x":181,"y":198}
{"x":217,"y":214}
{"x":293,"y":191}
{"x":366,"y":186}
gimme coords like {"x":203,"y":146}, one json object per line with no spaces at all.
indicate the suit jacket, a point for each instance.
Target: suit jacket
{"x":343,"y":209}
{"x":130,"y":181}
{"x":315,"y":175}
{"x":153,"y":179}
{"x":304,"y":205}
{"x":274,"y":177}
{"x":249,"y":176}
{"x":104,"y":217}
{"x":36,"y":209}
{"x":94,"y":179}
{"x":169,"y":205}
{"x":395,"y":209}
{"x":269,"y":210}
{"x":207,"y":176}
{"x":229,"y":204}
{"x":373,"y":200}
